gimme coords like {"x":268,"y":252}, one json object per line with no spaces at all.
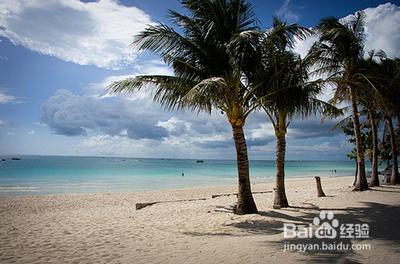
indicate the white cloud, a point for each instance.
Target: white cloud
{"x":286,"y":12}
{"x":94,"y":33}
{"x":6,"y":124}
{"x":303,"y":46}
{"x":6,"y":99}
{"x":119,"y":145}
{"x":381,"y":29}
{"x":175,"y":125}
{"x":322,"y":148}
{"x":133,"y":115}
{"x":110,"y":145}
{"x":263,"y":131}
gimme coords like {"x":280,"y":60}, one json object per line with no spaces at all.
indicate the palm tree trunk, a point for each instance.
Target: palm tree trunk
{"x":280,"y":199}
{"x":374,"y":174}
{"x":394,"y":179}
{"x":361,"y":183}
{"x":245,"y":203}
{"x":386,"y":178}
{"x":355,"y":174}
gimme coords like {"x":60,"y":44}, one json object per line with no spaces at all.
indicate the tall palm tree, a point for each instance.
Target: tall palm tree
{"x":389,"y":89}
{"x":370,"y":99}
{"x":207,"y":59}
{"x":287,"y":92}
{"x":373,"y":120}
{"x":336,"y":53}
{"x":384,"y":77}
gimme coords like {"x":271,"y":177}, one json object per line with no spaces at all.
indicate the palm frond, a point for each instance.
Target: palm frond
{"x":167,"y":90}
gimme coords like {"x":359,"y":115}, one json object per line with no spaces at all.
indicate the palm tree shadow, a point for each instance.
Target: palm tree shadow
{"x":305,"y":218}
{"x":259,"y":227}
{"x":387,"y":191}
{"x":386,"y":188}
{"x":382,"y":219}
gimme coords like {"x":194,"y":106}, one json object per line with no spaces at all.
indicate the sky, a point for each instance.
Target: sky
{"x":57,"y":57}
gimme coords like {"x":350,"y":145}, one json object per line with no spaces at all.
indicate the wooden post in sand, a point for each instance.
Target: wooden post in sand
{"x":319,"y":187}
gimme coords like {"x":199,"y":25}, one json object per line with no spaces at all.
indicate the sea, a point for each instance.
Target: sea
{"x":34,"y":175}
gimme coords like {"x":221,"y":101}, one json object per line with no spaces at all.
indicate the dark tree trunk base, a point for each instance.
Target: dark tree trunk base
{"x":280,"y":200}
{"x":374,"y":182}
{"x":361,"y":188}
{"x":283,"y":205}
{"x":394,"y":182}
{"x":242,"y":209}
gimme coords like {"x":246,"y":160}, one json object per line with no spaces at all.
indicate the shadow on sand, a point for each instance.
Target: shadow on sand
{"x":383,"y":221}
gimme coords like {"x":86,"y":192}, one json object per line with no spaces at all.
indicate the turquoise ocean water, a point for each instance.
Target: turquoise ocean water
{"x":33,"y":175}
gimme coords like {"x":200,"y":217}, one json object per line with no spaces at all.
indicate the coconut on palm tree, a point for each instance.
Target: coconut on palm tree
{"x":336,"y":54}
{"x":207,"y":53}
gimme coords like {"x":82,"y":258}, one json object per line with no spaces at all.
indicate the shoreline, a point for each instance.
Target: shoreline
{"x":267,"y":180}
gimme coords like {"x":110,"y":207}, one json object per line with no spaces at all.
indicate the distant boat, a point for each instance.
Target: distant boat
{"x":16,"y":158}
{"x":3,"y":159}
{"x":199,"y":161}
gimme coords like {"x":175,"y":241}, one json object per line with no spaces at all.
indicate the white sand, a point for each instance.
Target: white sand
{"x":106,"y":228}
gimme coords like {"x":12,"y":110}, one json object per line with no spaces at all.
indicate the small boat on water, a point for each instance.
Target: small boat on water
{"x":199,"y":161}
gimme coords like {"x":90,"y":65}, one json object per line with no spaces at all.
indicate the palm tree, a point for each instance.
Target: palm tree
{"x":389,"y":89}
{"x":336,"y":54}
{"x":287,"y":93}
{"x":384,"y":78}
{"x":373,"y":119}
{"x":346,"y":125}
{"x":370,"y":99}
{"x":207,"y":59}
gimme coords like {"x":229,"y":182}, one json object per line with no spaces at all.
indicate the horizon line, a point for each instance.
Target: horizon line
{"x":159,"y":158}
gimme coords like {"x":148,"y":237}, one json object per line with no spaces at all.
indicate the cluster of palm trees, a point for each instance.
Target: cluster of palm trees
{"x":371,"y":83}
{"x":222,"y":60}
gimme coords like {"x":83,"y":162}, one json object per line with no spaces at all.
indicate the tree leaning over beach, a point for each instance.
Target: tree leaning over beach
{"x":207,"y":60}
{"x":285,"y":88}
{"x":335,"y":54}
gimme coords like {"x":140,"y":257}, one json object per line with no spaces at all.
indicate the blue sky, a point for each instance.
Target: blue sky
{"x":56,"y":57}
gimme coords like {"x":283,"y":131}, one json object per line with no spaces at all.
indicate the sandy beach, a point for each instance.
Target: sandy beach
{"x":106,"y":228}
